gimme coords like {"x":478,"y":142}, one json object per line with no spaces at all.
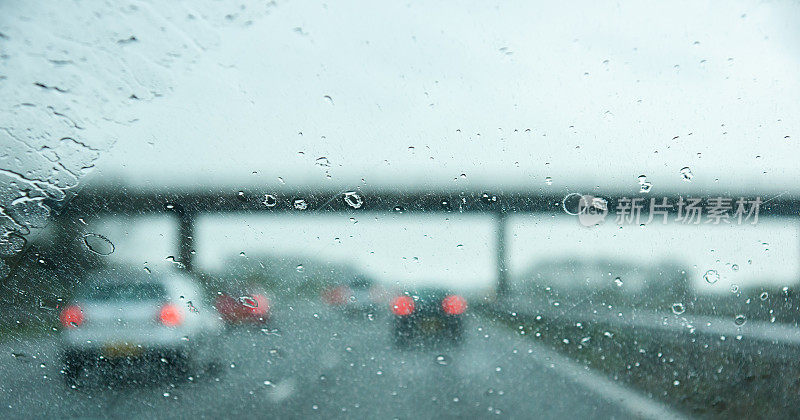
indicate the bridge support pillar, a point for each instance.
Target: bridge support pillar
{"x":186,"y":222}
{"x":502,"y":259}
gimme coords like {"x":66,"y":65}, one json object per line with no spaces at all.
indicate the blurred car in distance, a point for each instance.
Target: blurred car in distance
{"x":122,"y":318}
{"x":358,"y":296}
{"x":251,"y":307}
{"x":428,"y":314}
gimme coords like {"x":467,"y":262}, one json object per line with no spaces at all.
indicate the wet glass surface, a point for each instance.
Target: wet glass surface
{"x":399,"y":210}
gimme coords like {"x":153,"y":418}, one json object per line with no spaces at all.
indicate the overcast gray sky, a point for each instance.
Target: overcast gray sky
{"x":608,"y":93}
{"x":413,"y":95}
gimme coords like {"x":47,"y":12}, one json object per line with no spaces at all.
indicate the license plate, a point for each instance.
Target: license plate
{"x":431,"y":325}
{"x":116,"y":350}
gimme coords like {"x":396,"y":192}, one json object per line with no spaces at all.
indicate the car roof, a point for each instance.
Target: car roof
{"x":360,"y":281}
{"x":174,"y":283}
{"x":429,"y":292}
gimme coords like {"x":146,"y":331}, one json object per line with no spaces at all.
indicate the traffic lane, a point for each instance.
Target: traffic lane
{"x":494,"y":373}
{"x":316,"y":361}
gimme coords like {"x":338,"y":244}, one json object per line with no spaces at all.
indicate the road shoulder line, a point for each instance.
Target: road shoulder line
{"x":599,"y":384}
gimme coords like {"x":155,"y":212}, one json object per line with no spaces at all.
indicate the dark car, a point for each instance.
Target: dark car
{"x":428,"y":314}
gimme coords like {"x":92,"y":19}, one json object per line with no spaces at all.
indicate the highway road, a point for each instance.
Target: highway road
{"x":317,"y":362}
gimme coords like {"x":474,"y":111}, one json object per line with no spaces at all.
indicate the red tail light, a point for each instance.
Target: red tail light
{"x":403,"y":305}
{"x":454,"y":305}
{"x":170,"y":315}
{"x":262,"y":305}
{"x":71,"y":316}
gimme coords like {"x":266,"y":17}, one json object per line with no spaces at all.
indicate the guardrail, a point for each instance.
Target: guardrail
{"x":723,"y":327}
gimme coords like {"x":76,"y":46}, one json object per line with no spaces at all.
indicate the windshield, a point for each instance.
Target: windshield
{"x":361,"y":209}
{"x":130,"y":292}
{"x":360,"y":283}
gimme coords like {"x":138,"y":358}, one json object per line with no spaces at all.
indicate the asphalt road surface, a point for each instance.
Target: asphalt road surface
{"x":316,"y":362}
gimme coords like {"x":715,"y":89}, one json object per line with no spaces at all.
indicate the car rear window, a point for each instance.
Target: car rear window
{"x":360,"y":284}
{"x":126,"y":292}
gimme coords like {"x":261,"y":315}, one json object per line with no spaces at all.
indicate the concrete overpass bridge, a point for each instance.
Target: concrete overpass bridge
{"x":187,"y":204}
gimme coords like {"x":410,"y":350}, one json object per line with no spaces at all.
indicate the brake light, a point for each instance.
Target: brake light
{"x":170,"y":315}
{"x":71,"y":316}
{"x":454,"y":305}
{"x":262,"y":304}
{"x":403,"y":305}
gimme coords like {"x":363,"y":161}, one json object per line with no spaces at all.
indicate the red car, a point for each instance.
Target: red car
{"x":253,"y":309}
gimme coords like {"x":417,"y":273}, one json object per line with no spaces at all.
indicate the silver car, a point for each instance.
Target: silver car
{"x":124,"y":318}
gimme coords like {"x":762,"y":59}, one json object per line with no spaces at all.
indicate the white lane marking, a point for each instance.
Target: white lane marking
{"x":635,"y":402}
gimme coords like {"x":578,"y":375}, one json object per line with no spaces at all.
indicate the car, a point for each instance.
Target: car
{"x":120,"y":317}
{"x":357,"y":297}
{"x":433,"y":314}
{"x":249,"y":308}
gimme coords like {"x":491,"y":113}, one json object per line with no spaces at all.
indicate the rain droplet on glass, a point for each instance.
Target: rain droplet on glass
{"x":300,"y":204}
{"x":687,"y":174}
{"x":353,"y":199}
{"x":98,"y":244}
{"x":711,"y":276}
{"x":248,"y":301}
{"x":270,"y":200}
{"x":678,"y":308}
